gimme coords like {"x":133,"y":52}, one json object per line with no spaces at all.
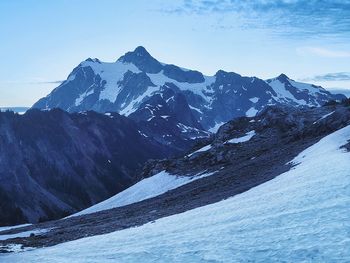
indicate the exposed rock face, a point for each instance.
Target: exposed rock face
{"x":272,"y":131}
{"x":167,"y":118}
{"x":53,"y":163}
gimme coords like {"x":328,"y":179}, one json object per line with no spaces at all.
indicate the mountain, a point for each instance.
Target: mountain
{"x":135,"y":78}
{"x":167,"y":118}
{"x":276,"y":170}
{"x":54,"y":163}
{"x":300,"y":216}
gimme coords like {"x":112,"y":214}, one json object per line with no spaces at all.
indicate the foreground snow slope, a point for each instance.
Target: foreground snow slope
{"x":302,"y":215}
{"x":145,"y":189}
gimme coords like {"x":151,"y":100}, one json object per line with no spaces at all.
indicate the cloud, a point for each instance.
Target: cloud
{"x":33,"y":82}
{"x":48,"y":82}
{"x":343,"y":91}
{"x":309,"y":17}
{"x":323,"y":52}
{"x":338,"y":76}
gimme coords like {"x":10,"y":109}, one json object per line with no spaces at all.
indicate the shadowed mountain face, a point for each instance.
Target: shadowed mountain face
{"x":53,"y":163}
{"x":126,"y":85}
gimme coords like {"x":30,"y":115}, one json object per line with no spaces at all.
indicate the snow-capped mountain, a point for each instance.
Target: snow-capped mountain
{"x":129,"y":83}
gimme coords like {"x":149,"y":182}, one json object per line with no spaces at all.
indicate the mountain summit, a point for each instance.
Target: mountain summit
{"x":130,"y":83}
{"x":142,"y":60}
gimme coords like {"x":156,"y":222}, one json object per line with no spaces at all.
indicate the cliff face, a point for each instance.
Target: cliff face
{"x":53,"y":163}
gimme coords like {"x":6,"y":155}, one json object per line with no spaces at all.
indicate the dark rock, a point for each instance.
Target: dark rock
{"x":54,"y":163}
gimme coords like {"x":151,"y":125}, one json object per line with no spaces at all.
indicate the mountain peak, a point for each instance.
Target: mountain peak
{"x":223,"y":74}
{"x":283,"y":77}
{"x":142,"y":59}
{"x":140,"y":50}
{"x":93,"y":60}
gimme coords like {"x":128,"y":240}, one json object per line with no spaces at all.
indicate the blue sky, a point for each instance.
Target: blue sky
{"x":42,"y":41}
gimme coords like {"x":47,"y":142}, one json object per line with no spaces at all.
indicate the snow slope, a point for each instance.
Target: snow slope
{"x":112,"y":73}
{"x":282,"y":93}
{"x":300,"y":216}
{"x":145,"y":189}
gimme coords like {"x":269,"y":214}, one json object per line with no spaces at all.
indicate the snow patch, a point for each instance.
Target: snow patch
{"x":159,"y":79}
{"x":203,"y":149}
{"x":251,"y":112}
{"x":196,"y":109}
{"x":245,"y":138}
{"x":323,"y":117}
{"x":216,"y":127}
{"x":254,"y":100}
{"x":132,"y":106}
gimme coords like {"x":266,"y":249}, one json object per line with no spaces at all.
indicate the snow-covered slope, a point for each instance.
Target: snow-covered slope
{"x":122,"y":86}
{"x":145,"y":189}
{"x":300,"y":216}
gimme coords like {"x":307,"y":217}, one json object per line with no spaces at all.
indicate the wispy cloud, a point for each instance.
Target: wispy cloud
{"x":323,"y":52}
{"x":313,"y":17}
{"x":338,"y":76}
{"x":343,"y":91}
{"x":49,"y":82}
{"x":33,"y":82}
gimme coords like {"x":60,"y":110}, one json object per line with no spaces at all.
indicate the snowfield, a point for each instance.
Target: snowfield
{"x":147,"y":188}
{"x":303,"y":215}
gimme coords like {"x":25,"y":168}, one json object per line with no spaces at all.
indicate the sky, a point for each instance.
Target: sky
{"x":42,"y":41}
